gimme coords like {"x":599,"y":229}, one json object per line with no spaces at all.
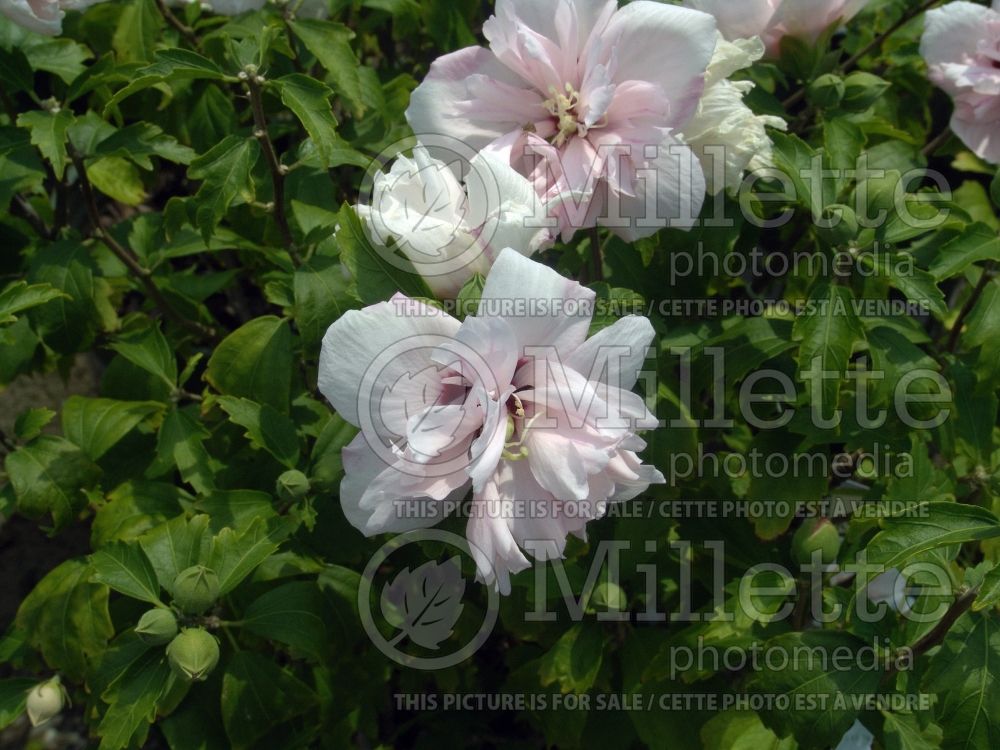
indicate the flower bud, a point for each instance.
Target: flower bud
{"x":193,"y":654}
{"x":838,"y":225}
{"x":45,"y":701}
{"x":196,"y":589}
{"x":157,"y":627}
{"x":293,"y":485}
{"x":816,"y":534}
{"x":609,"y":596}
{"x":826,"y":92}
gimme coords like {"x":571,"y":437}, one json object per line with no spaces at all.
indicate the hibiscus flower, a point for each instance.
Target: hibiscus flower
{"x":515,"y":404}
{"x":961,"y":45}
{"x":586,"y":100}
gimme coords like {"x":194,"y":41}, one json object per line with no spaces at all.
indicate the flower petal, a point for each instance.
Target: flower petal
{"x":619,"y":351}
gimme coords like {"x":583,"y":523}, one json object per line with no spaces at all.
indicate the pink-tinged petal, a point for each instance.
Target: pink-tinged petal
{"x":676,"y":176}
{"x":488,"y":447}
{"x":440,"y":104}
{"x":562,"y":465}
{"x":484,"y":351}
{"x":409,"y":380}
{"x":377,"y":498}
{"x":569,"y":22}
{"x":982,"y":138}
{"x":493,"y":547}
{"x":667,"y":45}
{"x":951,"y":32}
{"x":541,"y":307}
{"x":807,"y":19}
{"x":738,"y":19}
{"x":40,"y":16}
{"x":617,"y":352}
{"x":631,"y":476}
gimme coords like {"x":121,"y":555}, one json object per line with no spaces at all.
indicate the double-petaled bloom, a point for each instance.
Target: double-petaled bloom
{"x":586,"y":100}
{"x":515,"y":404}
{"x":41,"y":16}
{"x":961,"y":45}
{"x":449,"y":230}
{"x":772,"y":20}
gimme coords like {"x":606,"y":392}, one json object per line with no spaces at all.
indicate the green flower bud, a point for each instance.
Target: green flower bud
{"x":608,"y":596}
{"x":45,"y":701}
{"x":826,"y":92}
{"x":193,"y":654}
{"x":838,"y":225}
{"x":157,"y":627}
{"x":867,"y":468}
{"x":293,"y":486}
{"x":816,"y":534}
{"x":196,"y":589}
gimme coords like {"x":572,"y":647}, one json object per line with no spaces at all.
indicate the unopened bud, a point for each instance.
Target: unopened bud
{"x":293,"y":486}
{"x":816,"y":534}
{"x":193,"y":654}
{"x":45,"y":701}
{"x":157,"y":627}
{"x":196,"y":589}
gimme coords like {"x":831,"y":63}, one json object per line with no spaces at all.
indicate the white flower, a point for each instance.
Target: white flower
{"x":447,"y":230}
{"x":961,"y":45}
{"x":41,"y":16}
{"x":724,"y":120}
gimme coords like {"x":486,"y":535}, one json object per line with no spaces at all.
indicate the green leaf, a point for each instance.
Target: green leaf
{"x":235,"y":556}
{"x":180,"y":445}
{"x":48,"y":476}
{"x":989,"y":591}
{"x":225,"y":172}
{"x":13,"y":696}
{"x":741,"y":730}
{"x":965,"y":675}
{"x":837,"y":694}
{"x":134,"y":508}
{"x":48,"y":134}
{"x":149,"y":350}
{"x":127,"y":720}
{"x":575,"y":659}
{"x":21,"y":296}
{"x":310,"y":101}
{"x":64,"y":57}
{"x":138,"y":28}
{"x":141,"y":140}
{"x":175,"y":546}
{"x":15,"y":71}
{"x":330,"y":43}
{"x":266,"y":428}
{"x":170,"y":65}
{"x":98,"y":424}
{"x":828,"y":330}
{"x":126,"y":569}
{"x":983,"y":329}
{"x":258,"y":696}
{"x":117,"y":178}
{"x":903,"y":732}
{"x":294,"y":614}
{"x":320,"y":298}
{"x":255,"y":362}
{"x":843,"y":142}
{"x":68,"y":323}
{"x":30,"y":424}
{"x":375,"y":277}
{"x":977,"y":243}
{"x":66,"y":618}
{"x":926,"y":526}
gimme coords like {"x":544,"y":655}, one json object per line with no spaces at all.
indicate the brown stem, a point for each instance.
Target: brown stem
{"x":277,"y":169}
{"x":21,"y":208}
{"x":185,"y":31}
{"x":129,"y":260}
{"x":937,"y":634}
{"x":939,"y":140}
{"x":956,"y":330}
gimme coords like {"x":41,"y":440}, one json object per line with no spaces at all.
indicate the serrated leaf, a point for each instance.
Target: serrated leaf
{"x":126,"y":569}
{"x":266,"y":428}
{"x":977,"y":243}
{"x":141,"y":140}
{"x":225,"y":172}
{"x":64,"y":57}
{"x":294,"y":614}
{"x":175,"y":546}
{"x":234,"y":556}
{"x":330,"y":43}
{"x":20,"y":296}
{"x":66,"y":618}
{"x":68,"y":323}
{"x":48,"y":476}
{"x":903,"y":732}
{"x":310,"y":101}
{"x":98,"y":424}
{"x":48,"y":133}
{"x":320,"y":291}
{"x":149,"y":350}
{"x":255,"y":362}
{"x":117,"y":178}
{"x":137,"y":31}
{"x":135,"y":699}
{"x":575,"y":660}
{"x":30,"y":424}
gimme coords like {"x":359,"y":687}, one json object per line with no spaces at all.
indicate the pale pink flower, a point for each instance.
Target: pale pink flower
{"x":41,"y":16}
{"x":515,"y":403}
{"x":961,"y":45}
{"x":772,"y":20}
{"x":585,"y":99}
